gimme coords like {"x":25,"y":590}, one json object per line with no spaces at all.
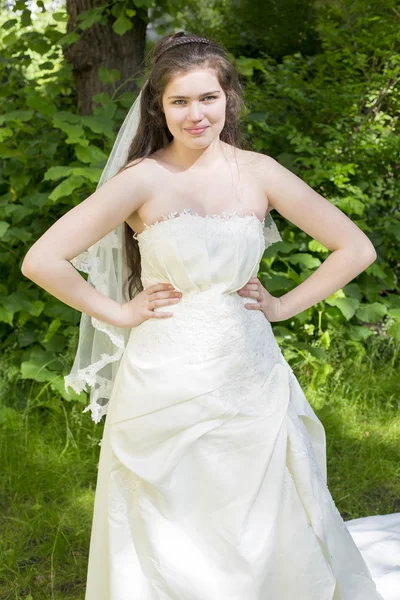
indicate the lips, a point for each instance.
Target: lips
{"x":197,"y":129}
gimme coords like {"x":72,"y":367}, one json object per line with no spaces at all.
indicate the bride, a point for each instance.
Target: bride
{"x":212,"y":471}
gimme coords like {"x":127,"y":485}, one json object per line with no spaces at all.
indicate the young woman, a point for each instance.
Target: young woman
{"x":212,"y":472}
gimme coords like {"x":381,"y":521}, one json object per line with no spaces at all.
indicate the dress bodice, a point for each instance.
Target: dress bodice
{"x":198,"y":253}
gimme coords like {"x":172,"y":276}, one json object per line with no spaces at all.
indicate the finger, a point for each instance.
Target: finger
{"x":165,"y":294}
{"x":159,"y":315}
{"x":253,"y":305}
{"x":252,"y":294}
{"x":158,"y":287}
{"x":153,"y":303}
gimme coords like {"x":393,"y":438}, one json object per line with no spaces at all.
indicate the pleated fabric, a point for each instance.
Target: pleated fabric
{"x":212,"y":480}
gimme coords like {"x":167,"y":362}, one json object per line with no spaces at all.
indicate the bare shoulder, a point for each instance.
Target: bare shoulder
{"x":140,"y":173}
{"x":142,"y":166}
{"x":261,"y":168}
{"x":258,"y":160}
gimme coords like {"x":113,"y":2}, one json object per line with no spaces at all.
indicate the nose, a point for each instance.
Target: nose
{"x":195,"y":112}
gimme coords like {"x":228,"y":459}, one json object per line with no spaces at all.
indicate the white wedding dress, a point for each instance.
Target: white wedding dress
{"x":212,"y":471}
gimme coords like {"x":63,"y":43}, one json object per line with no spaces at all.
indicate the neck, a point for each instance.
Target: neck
{"x":190,"y":158}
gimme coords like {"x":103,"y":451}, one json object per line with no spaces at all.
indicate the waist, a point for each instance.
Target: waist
{"x":202,"y":324}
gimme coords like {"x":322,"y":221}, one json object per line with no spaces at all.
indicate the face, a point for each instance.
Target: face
{"x":201,"y":103}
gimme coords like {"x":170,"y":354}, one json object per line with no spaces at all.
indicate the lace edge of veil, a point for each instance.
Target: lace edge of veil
{"x":79,"y":379}
{"x":100,"y":344}
{"x":271,"y":232}
{"x":101,"y":387}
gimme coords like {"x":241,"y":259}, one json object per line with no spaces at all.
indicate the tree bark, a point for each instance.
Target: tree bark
{"x":99,"y":46}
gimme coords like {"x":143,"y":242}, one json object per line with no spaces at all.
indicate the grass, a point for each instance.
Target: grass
{"x":46,"y":503}
{"x":359,"y":408}
{"x":49,"y":455}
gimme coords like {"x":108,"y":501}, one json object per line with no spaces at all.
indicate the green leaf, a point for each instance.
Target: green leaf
{"x":57,"y":172}
{"x":5,"y":132}
{"x":66,"y":188}
{"x":74,"y":132}
{"x":68,"y":39}
{"x":88,"y":17}
{"x":353,"y":290}
{"x":18,"y":233}
{"x":10,"y":39}
{"x":40,"y":103}
{"x":37,"y":308}
{"x":36,"y":371}
{"x":56,"y":344}
{"x":53,"y":328}
{"x":26,"y":19}
{"x":15,"y":302}
{"x":109,"y":75}
{"x":347,"y":306}
{"x":282,"y":247}
{"x":16,"y":115}
{"x":351,"y":205}
{"x":6,"y":316}
{"x":91,"y":173}
{"x":90,"y":154}
{"x":58,"y":386}
{"x":394,"y":331}
{"x":315,"y":246}
{"x":333,"y":298}
{"x":122,"y":25}
{"x":371,"y":313}
{"x":10,"y":23}
{"x":19,"y":212}
{"x":3,"y":227}
{"x":56,"y":309}
{"x":307,"y":260}
{"x":99,"y":125}
{"x":276,"y":282}
{"x":65,"y":116}
{"x":358,"y":333}
{"x":60,"y":17}
{"x":394,"y":312}
{"x":317,"y":352}
{"x":26,"y":337}
{"x":39,"y":44}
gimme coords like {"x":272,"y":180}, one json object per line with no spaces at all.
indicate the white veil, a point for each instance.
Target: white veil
{"x":101,"y":345}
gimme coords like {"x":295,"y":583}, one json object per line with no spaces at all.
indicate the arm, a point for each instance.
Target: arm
{"x":47,"y":261}
{"x":352,"y":251}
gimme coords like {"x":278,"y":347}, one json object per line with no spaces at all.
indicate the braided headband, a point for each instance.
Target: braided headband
{"x":186,"y":40}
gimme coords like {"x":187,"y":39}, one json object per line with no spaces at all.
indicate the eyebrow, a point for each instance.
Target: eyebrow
{"x":206,"y":94}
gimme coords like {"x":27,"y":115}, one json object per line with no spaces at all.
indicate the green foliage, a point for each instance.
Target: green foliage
{"x":331,"y":119}
{"x":329,"y":116}
{"x":52,"y":159}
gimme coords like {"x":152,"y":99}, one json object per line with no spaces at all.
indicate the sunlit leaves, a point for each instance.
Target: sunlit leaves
{"x":122,"y":24}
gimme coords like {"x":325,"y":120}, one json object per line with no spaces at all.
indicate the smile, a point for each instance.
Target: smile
{"x":197,"y":131}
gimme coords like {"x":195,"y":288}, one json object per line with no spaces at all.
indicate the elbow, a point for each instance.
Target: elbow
{"x":371,"y":254}
{"x":26,"y":269}
{"x":29,"y":266}
{"x":368,"y":255}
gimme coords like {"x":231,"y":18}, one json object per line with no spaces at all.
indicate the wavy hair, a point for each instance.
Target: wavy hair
{"x":167,"y":59}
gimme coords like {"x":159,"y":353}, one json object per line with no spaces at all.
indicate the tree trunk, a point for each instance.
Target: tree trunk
{"x":99,"y":46}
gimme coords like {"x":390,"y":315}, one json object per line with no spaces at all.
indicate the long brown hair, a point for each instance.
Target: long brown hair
{"x":153,"y":134}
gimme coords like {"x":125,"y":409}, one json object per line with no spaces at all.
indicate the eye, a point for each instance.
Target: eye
{"x":175,"y":101}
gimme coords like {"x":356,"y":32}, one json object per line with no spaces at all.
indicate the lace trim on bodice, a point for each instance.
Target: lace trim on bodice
{"x":267,"y":227}
{"x":188,"y":211}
